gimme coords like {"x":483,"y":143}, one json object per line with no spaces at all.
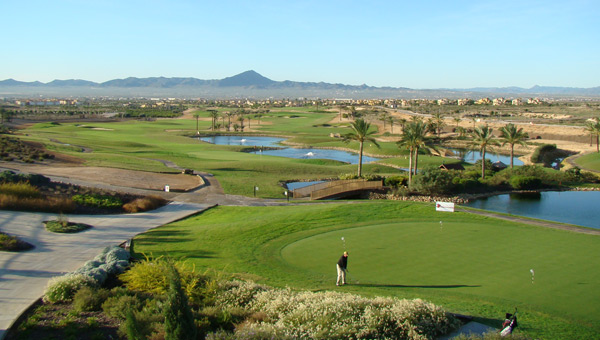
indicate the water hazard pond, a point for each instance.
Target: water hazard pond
{"x":301,"y":153}
{"x":573,"y":207}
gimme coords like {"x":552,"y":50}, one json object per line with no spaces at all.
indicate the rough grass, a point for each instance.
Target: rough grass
{"x":467,"y":264}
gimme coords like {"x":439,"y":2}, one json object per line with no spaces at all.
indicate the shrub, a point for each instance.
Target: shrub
{"x":238,"y":293}
{"x":117,"y":306}
{"x":12,"y":243}
{"x":434,"y":181}
{"x":333,"y":315}
{"x":88,"y":299}
{"x":112,"y":260}
{"x":62,"y":288}
{"x":113,"y":254}
{"x":7,"y":176}
{"x":539,"y":154}
{"x":179,"y":321}
{"x":144,"y":204}
{"x":99,"y":201}
{"x":151,"y":276}
{"x":35,"y":179}
{"x":348,"y":176}
{"x":468,"y":184}
{"x":396,"y":181}
{"x":224,"y":318}
{"x":525,"y":182}
{"x":489,"y":166}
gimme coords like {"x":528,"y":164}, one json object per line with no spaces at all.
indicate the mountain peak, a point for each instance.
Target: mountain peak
{"x":248,"y":78}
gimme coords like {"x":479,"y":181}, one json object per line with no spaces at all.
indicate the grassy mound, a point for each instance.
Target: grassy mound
{"x":58,"y":226}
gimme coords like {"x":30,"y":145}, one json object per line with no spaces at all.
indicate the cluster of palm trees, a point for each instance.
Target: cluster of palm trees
{"x":416,"y":136}
{"x":240,"y":115}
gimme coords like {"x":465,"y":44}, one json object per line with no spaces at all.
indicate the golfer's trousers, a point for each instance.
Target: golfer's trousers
{"x":341,"y":279}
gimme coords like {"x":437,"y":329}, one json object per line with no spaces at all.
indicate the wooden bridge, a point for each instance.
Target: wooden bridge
{"x":336,"y":189}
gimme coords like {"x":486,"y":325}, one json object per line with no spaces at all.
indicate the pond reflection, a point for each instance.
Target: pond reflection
{"x":573,"y":207}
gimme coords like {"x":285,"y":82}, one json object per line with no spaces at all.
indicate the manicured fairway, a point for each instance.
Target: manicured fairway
{"x":590,"y":161}
{"x":139,"y":145}
{"x":468,"y":264}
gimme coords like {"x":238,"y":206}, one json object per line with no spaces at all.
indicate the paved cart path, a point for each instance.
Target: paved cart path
{"x":24,"y":275}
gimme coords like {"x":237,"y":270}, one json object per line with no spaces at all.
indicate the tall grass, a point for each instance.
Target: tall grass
{"x":47,"y":204}
{"x":144,"y":204}
{"x":20,"y":190}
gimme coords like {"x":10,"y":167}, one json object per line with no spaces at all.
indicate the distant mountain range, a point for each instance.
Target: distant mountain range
{"x":252,"y":84}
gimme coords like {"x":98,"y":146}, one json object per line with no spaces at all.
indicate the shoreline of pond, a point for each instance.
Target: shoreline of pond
{"x":466,"y":198}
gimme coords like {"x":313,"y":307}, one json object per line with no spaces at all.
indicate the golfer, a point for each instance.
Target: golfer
{"x":342,"y":265}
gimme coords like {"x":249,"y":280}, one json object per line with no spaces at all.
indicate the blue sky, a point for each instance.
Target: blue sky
{"x":415,"y":44}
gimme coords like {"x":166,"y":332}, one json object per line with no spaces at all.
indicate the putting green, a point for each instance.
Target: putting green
{"x":487,"y":261}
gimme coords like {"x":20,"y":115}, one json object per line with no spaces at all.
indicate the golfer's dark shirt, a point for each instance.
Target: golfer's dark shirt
{"x":343,"y":262}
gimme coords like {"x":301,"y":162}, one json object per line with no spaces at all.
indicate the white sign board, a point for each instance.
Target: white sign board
{"x":444,"y":206}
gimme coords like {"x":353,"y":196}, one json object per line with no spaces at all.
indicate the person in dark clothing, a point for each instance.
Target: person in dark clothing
{"x":342,"y":266}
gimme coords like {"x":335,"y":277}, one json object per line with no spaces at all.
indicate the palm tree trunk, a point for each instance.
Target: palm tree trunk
{"x":597,"y":143}
{"x":483,"y":163}
{"x":360,"y":160}
{"x":416,"y":160}
{"x":512,"y":154}
{"x":410,"y":157}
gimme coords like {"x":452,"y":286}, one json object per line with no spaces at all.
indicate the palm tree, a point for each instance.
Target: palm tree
{"x":214,"y":115}
{"x":482,"y":138}
{"x":229,"y":114}
{"x":402,"y":122}
{"x":457,"y":120}
{"x":352,"y":111}
{"x":241,"y":120}
{"x":511,"y":135}
{"x":414,"y":137}
{"x":197,"y":116}
{"x":360,"y":133}
{"x":408,"y":141}
{"x":390,"y":120}
{"x":593,"y":127}
{"x":383,"y":118}
{"x":438,"y":122}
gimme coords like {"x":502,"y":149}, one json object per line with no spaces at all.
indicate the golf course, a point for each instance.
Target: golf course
{"x":469,"y":264}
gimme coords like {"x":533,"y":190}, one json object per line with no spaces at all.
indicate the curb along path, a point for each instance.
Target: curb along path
{"x":24,"y":275}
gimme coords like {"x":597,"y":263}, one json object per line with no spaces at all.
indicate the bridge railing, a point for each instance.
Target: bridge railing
{"x":340,"y":188}
{"x":307,"y":190}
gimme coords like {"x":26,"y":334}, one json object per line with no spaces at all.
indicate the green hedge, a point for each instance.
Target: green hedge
{"x":99,"y":201}
{"x":525,"y":182}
